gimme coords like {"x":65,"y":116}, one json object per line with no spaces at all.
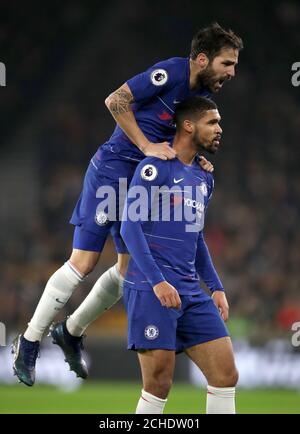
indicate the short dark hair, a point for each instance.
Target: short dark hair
{"x":210,"y":41}
{"x":192,"y":108}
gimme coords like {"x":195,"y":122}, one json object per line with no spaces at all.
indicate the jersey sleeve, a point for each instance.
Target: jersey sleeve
{"x":158,"y":78}
{"x":205,"y":267}
{"x":151,"y":172}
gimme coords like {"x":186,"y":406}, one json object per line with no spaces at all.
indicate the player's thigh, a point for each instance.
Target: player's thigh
{"x":87,"y":247}
{"x":157,"y":364}
{"x":151,"y":326}
{"x":216,"y":360}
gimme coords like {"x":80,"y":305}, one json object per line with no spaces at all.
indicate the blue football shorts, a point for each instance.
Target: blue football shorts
{"x":152,"y":326}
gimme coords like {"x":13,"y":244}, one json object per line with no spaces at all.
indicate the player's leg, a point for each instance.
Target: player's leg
{"x":107,"y":290}
{"x":123,"y":260}
{"x":202,"y":334}
{"x":151,"y":331}
{"x":57,"y":292}
{"x":68,"y":334}
{"x":72,"y":344}
{"x":216,"y":361}
{"x":105,"y":293}
{"x":59,"y":289}
{"x":97,"y":217}
{"x":157,"y":367}
{"x":89,"y":237}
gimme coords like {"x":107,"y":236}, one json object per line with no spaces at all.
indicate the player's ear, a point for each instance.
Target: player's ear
{"x":188,"y":126}
{"x":202,"y":60}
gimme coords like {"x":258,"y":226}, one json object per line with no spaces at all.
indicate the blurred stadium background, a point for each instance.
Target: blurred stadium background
{"x":62,"y":60}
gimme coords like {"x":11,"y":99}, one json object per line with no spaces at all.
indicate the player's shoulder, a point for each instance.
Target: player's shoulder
{"x":155,"y":161}
{"x":151,"y":168}
{"x":174,"y":66}
{"x":172,"y":62}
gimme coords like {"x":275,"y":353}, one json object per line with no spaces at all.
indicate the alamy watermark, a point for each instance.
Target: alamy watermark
{"x":2,"y":335}
{"x":296,"y":76}
{"x":157,"y":203}
{"x":2,"y":74}
{"x":296,"y":336}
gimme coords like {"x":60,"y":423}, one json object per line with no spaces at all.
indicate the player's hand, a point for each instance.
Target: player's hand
{"x":205,"y":164}
{"x":220,"y":301}
{"x":161,"y":150}
{"x":167,"y":295}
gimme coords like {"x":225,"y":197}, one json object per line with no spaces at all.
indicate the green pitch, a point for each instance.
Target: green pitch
{"x":105,"y":398}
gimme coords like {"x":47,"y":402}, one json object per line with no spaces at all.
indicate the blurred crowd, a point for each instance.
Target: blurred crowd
{"x":252,"y":226}
{"x":35,"y":43}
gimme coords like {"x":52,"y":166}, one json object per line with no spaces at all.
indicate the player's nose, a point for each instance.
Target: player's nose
{"x":219,"y":130}
{"x":231,"y":72}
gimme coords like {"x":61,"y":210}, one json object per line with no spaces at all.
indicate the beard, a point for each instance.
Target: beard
{"x":206,"y":78}
{"x":210,"y":80}
{"x":211,"y":148}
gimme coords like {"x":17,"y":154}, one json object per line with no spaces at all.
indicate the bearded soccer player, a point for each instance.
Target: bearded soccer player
{"x":168,"y":312}
{"x":143,"y":108}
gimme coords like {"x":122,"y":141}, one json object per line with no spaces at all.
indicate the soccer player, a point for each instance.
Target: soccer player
{"x":143,"y":108}
{"x":167,"y":310}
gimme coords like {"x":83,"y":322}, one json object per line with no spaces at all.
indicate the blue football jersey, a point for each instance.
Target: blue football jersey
{"x":165,"y":240}
{"x":156,"y":93}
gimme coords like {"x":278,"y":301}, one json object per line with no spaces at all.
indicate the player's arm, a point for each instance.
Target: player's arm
{"x":206,"y":270}
{"x":135,"y":240}
{"x":119,"y":105}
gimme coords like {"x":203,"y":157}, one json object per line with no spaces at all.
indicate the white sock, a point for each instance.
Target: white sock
{"x":105,"y":293}
{"x":150,"y":404}
{"x":220,"y":400}
{"x":57,"y":292}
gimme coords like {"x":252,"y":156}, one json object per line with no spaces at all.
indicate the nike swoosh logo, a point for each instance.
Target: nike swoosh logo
{"x":178,"y":180}
{"x":58,"y":301}
{"x":176,"y":101}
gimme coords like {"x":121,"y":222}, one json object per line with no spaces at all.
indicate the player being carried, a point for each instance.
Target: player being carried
{"x":167,"y":311}
{"x":143,"y":108}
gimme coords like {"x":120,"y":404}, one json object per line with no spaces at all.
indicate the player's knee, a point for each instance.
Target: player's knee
{"x":234,"y":377}
{"x":85,"y":263}
{"x":160,"y":381}
{"x":226,"y":378}
{"x":159,"y":386}
{"x":84,"y":267}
